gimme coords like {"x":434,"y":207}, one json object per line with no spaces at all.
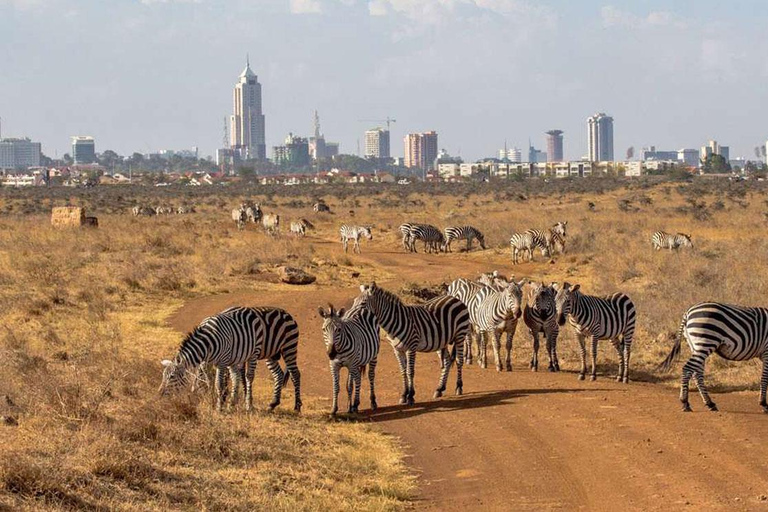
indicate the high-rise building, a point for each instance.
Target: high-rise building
{"x":713,"y":148}
{"x":294,"y":152}
{"x":600,"y":138}
{"x":511,"y":155}
{"x":18,"y":153}
{"x":421,"y":150}
{"x":555,"y":146}
{"x":377,"y":143}
{"x":651,"y":153}
{"x":536,"y":156}
{"x":689,"y":157}
{"x":83,"y":150}
{"x":247,"y":123}
{"x":318,"y":147}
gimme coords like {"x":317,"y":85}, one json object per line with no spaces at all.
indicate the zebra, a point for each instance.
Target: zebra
{"x":736,"y":333}
{"x":239,"y":217}
{"x":163,"y":210}
{"x":493,"y":311}
{"x":252,"y":212}
{"x":320,"y":206}
{"x":185,"y":209}
{"x":354,"y":233}
{"x":527,"y":241}
{"x":560,"y":228}
{"x":554,"y":241}
{"x":429,"y":327}
{"x":351,"y":340}
{"x":271,"y":223}
{"x":307,"y":225}
{"x":236,"y":339}
{"x":661,"y":240}
{"x":600,"y":318}
{"x":298,"y":229}
{"x":405,"y":230}
{"x":540,"y":316}
{"x":431,"y":236}
{"x":465,"y":290}
{"x":460,"y":233}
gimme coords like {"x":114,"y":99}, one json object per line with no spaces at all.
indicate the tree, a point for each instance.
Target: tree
{"x":715,"y":164}
{"x":67,"y":159}
{"x":110,"y":159}
{"x":630,"y":152}
{"x":246,"y":172}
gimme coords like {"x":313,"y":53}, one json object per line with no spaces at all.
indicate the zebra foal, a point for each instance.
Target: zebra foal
{"x":736,"y":333}
{"x":354,"y":233}
{"x":599,"y":318}
{"x":662,"y":240}
{"x":234,"y":340}
{"x":352,"y":341}
{"x":429,"y":327}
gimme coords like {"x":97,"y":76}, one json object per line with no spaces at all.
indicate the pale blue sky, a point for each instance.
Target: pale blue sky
{"x":154,"y":74}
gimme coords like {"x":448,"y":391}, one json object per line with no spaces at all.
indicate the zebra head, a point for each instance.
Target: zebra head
{"x":332,"y":322}
{"x":564,"y":300}
{"x":685,"y":240}
{"x":175,"y":376}
{"x":366,"y":232}
{"x":541,"y":299}
{"x":513,"y":294}
{"x":481,"y":240}
{"x":559,"y":228}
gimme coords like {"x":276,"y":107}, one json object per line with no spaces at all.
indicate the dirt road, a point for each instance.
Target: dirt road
{"x":536,"y":441}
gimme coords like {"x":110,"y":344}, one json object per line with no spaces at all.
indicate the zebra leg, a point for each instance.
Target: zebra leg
{"x":236,"y":377}
{"x":552,"y":335}
{"x":277,"y":382}
{"x":535,"y":357}
{"x":703,"y":391}
{"x":510,"y":335}
{"x":335,"y":366}
{"x":357,"y":246}
{"x":627,"y":343}
{"x":221,"y":387}
{"x":401,"y":361}
{"x":468,"y":345}
{"x":497,"y":349}
{"x":445,"y":367}
{"x":583,"y":351}
{"x":593,"y":376}
{"x":411,"y":366}
{"x":350,"y":388}
{"x":459,"y":347}
{"x":345,"y":243}
{"x":684,"y":382}
{"x":550,"y":349}
{"x":482,"y":352}
{"x":293,"y":368}
{"x":358,"y":382}
{"x":619,"y":346}
{"x":372,"y":381}
{"x":250,"y":372}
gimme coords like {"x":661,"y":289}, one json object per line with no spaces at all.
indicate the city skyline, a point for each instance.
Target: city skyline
{"x":131,"y":101}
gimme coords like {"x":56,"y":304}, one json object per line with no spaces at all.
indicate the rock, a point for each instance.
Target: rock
{"x":292,"y":275}
{"x":9,"y":421}
{"x":355,"y":274}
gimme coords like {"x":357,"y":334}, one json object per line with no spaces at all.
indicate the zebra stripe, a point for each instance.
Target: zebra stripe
{"x":431,"y":236}
{"x":235,"y":340}
{"x":467,"y":233}
{"x":239,"y":217}
{"x":429,"y":327}
{"x":600,"y":318}
{"x":493,"y":311}
{"x":540,"y":316}
{"x":321,"y":207}
{"x":465,"y":290}
{"x":352,"y":341}
{"x":271,"y":223}
{"x":354,"y":233}
{"x":298,"y":229}
{"x":527,"y":242}
{"x":736,"y":333}
{"x":661,"y":240}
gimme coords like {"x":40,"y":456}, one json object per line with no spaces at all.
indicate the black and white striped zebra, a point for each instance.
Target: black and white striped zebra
{"x":239,"y":217}
{"x":540,"y":316}
{"x":320,"y":206}
{"x":405,"y":230}
{"x":525,"y":243}
{"x":465,"y":290}
{"x":736,"y":333}
{"x":434,"y":326}
{"x":253,"y":212}
{"x":354,"y":233}
{"x":599,"y":318}
{"x":555,"y":242}
{"x":298,"y":229}
{"x":431,"y":236}
{"x":494,"y":310}
{"x":235,"y":340}
{"x":351,"y":341}
{"x":467,"y":233}
{"x":661,"y":240}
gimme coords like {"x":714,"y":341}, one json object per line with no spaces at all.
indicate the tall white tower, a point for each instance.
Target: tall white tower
{"x":247,"y":123}
{"x":600,"y":138}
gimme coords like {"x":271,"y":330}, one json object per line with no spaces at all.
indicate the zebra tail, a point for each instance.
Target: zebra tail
{"x":666,"y":365}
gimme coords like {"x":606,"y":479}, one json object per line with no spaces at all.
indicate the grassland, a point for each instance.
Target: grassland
{"x":83,"y":328}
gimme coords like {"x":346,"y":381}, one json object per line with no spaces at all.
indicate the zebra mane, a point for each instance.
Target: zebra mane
{"x":390,"y":296}
{"x":188,"y":340}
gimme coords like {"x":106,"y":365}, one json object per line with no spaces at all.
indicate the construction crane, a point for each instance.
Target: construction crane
{"x":388,"y":120}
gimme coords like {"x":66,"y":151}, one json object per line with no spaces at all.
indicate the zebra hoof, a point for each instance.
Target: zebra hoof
{"x":509,"y":367}
{"x":459,"y":390}
{"x":581,"y":376}
{"x":374,"y":405}
{"x":297,"y":406}
{"x":438,"y":394}
{"x":687,"y":407}
{"x":403,"y":400}
{"x":410,"y":401}
{"x":557,"y":367}
{"x":712,"y":407}
{"x":765,"y":409}
{"x":551,"y":369}
{"x":534,"y":368}
{"x":499,"y":369}
{"x":273,"y":405}
{"x":625,"y":380}
{"x":593,"y":378}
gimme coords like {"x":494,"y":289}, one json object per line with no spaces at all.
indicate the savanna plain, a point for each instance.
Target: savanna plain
{"x":88,"y":314}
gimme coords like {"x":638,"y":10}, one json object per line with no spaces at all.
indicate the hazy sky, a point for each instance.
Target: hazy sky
{"x":143,"y":75}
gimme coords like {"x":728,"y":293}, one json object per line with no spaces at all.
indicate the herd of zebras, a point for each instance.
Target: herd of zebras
{"x":149,"y":211}
{"x":235,"y":339}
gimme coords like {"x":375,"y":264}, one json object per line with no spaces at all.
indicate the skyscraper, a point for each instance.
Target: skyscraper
{"x":247,"y":122}
{"x":600,"y":138}
{"x":83,"y":150}
{"x":15,"y":153}
{"x":555,"y":146}
{"x":377,"y":143}
{"x":421,"y":150}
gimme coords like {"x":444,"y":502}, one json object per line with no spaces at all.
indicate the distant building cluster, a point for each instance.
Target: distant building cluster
{"x":83,"y":150}
{"x":19,"y":153}
{"x":377,"y":143}
{"x":421,"y":150}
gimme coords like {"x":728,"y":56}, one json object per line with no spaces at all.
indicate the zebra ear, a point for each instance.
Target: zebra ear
{"x":341,"y":312}
{"x":166,"y":362}
{"x":520,"y":283}
{"x":322,"y":312}
{"x":556,"y":286}
{"x":495,"y":273}
{"x":576,"y":288}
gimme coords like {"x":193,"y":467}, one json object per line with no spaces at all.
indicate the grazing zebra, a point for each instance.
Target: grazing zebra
{"x":736,"y":333}
{"x":465,"y":290}
{"x":405,"y":230}
{"x":460,"y":233}
{"x":493,"y":311}
{"x":525,"y":243}
{"x":235,"y":339}
{"x":163,"y":210}
{"x":662,"y":240}
{"x":271,"y":223}
{"x":351,"y":340}
{"x":600,"y":318}
{"x":145,"y":211}
{"x":238,"y":215}
{"x":540,"y":316}
{"x":431,"y":236}
{"x":252,"y":212}
{"x":185,"y":209}
{"x":429,"y":327}
{"x":298,"y":229}
{"x":354,"y":233}
{"x":307,"y":225}
{"x":321,"y":207}
{"x":560,"y":228}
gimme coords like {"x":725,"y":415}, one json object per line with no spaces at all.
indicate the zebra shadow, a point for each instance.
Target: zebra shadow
{"x":477,"y":400}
